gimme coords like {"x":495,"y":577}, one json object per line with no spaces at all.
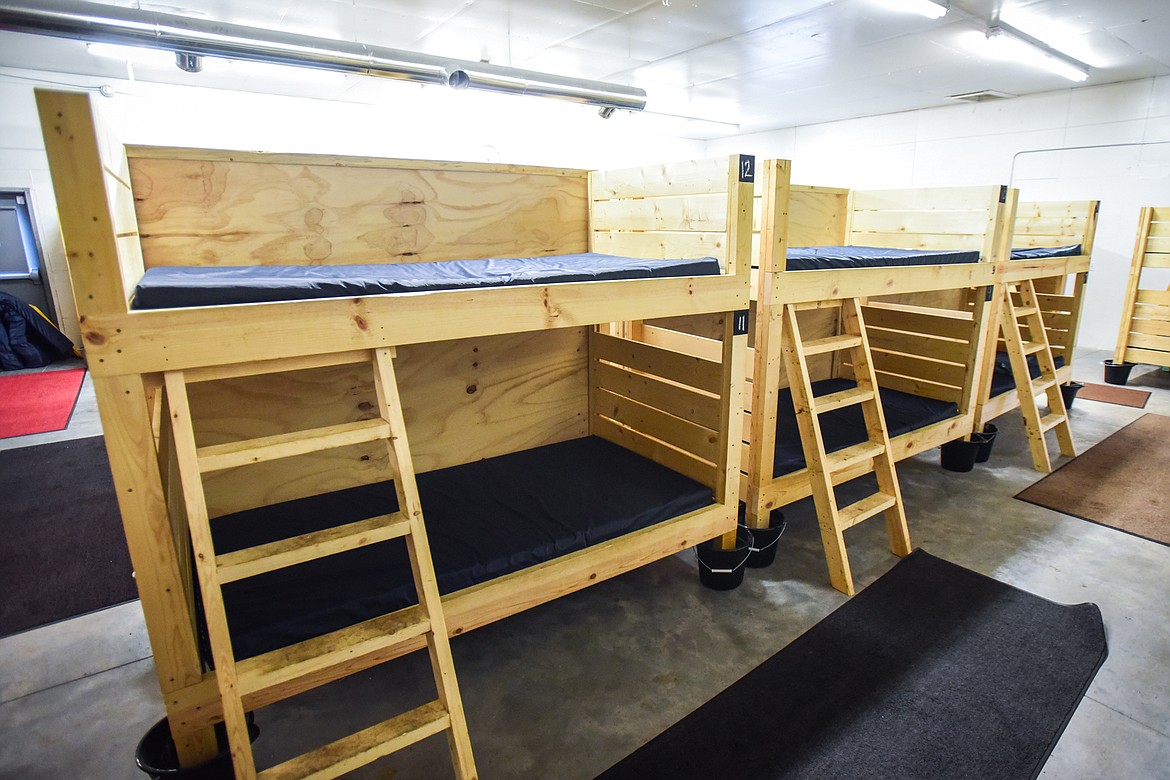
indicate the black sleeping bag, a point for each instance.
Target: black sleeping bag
{"x":27,"y":339}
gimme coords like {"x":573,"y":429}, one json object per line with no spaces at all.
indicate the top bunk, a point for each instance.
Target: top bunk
{"x":837,"y":243}
{"x":1051,"y":239}
{"x":177,"y":253}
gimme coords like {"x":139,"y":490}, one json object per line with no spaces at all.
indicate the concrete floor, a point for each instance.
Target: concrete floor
{"x":567,"y":689}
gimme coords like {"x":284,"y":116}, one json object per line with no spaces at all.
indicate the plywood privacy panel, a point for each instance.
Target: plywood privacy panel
{"x":816,"y":216}
{"x":230,"y":211}
{"x":463,"y":401}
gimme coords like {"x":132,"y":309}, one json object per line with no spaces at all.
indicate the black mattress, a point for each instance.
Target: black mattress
{"x":818,"y":258}
{"x":180,"y":286}
{"x":1039,"y":253}
{"x":1002,"y":380}
{"x":484,"y":519}
{"x":845,"y":427}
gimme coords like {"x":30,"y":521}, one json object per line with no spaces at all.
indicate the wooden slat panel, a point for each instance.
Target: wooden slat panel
{"x":1053,"y":209}
{"x":233,"y":212}
{"x":703,"y":473}
{"x":1145,"y":311}
{"x":679,"y":433}
{"x":688,"y":213}
{"x":674,"y":399}
{"x":1157,"y":254}
{"x":658,"y":245}
{"x":686,"y":369}
{"x":681,"y":178}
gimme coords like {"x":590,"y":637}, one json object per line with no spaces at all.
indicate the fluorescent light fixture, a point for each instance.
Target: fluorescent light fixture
{"x":1014,"y":44}
{"x":932,"y":9}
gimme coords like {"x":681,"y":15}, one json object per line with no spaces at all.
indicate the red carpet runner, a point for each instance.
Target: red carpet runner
{"x":38,"y":403}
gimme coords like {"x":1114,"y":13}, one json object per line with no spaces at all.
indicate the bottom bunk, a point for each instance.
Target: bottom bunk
{"x":485,"y":520}
{"x":1001,"y":398}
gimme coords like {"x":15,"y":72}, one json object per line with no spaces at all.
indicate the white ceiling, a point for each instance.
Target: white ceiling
{"x":749,"y":65}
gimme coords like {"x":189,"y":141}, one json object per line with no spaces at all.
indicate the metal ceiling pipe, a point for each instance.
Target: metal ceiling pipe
{"x":95,"y":23}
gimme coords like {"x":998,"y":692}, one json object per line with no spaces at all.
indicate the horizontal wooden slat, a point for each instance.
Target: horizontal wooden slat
{"x":1160,"y":227}
{"x":850,"y":457}
{"x":927,"y":198}
{"x":687,"y":343}
{"x":680,"y":178}
{"x":1152,"y":357}
{"x":287,"y":445}
{"x":688,"y":213}
{"x":659,"y":245}
{"x":267,"y":675}
{"x":919,"y":367}
{"x":836,"y":343}
{"x":1050,"y":421}
{"x":686,"y":369}
{"x":253,"y":561}
{"x":1157,"y":253}
{"x":973,"y":222}
{"x":937,"y":322}
{"x":822,"y":404}
{"x":1071,"y":229}
{"x":1050,"y":302}
{"x":1144,"y":341}
{"x":864,"y":509}
{"x":921,"y":387}
{"x":672,"y":398}
{"x":1145,"y":311}
{"x":166,"y":339}
{"x":1156,"y":297}
{"x":703,"y":473}
{"x":258,"y":367}
{"x":682,"y":434}
{"x":968,"y":242}
{"x":911,"y":343}
{"x":357,"y":750}
{"x":1054,"y":209}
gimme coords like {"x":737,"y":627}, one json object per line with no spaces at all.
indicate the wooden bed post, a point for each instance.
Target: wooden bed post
{"x":777,"y":182}
{"x":99,"y":226}
{"x":1131,"y":287}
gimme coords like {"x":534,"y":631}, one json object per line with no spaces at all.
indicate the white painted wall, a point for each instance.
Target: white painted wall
{"x":1000,"y":142}
{"x":374,"y":119}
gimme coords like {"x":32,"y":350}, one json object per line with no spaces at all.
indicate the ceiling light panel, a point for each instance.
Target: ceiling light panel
{"x":931,"y":9}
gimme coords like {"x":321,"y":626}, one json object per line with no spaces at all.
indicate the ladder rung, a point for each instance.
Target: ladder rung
{"x":831,"y":344}
{"x":357,"y":750}
{"x":287,"y":445}
{"x":864,"y":509}
{"x":827,"y":403}
{"x":1032,"y":347}
{"x":1041,"y":384}
{"x":1026,"y":311}
{"x":1050,"y":421}
{"x":841,"y":460}
{"x":263,"y":558}
{"x":322,"y":653}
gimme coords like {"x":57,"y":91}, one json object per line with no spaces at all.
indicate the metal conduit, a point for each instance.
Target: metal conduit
{"x":187,"y":36}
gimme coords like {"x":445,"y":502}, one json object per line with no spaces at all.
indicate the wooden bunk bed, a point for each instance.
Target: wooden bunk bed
{"x":1034,"y":320}
{"x":827,"y":334}
{"x":1144,"y":336}
{"x":260,"y":449}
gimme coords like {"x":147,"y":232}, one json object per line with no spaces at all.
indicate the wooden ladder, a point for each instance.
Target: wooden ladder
{"x":1013,"y":320}
{"x":285,"y":667}
{"x":827,"y":469}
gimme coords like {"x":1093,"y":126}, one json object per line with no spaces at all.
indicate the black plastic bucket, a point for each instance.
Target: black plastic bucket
{"x":156,"y":755}
{"x":721,"y":569}
{"x":1069,"y":393}
{"x":765,"y":540}
{"x":959,"y":455}
{"x":985,"y":440}
{"x":1117,"y":373}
